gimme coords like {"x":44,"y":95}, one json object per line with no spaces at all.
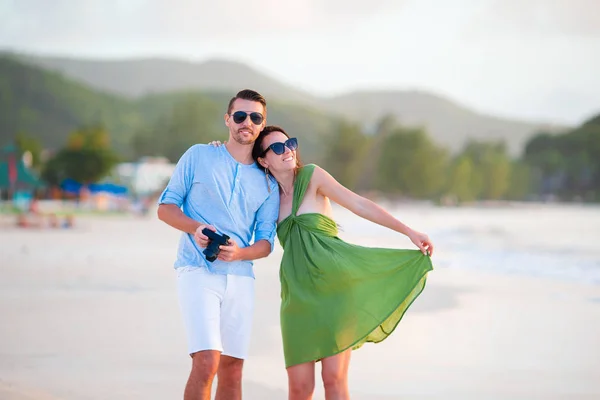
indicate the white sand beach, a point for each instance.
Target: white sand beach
{"x":91,"y":313}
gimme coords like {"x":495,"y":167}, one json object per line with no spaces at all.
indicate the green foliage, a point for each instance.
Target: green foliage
{"x":411,"y":164}
{"x":481,"y":171}
{"x":521,"y":181}
{"x":190,"y":121}
{"x":567,"y":165}
{"x":368,"y":175}
{"x":462,"y":182}
{"x":87,"y":158}
{"x":345,"y":154}
{"x":50,"y":106}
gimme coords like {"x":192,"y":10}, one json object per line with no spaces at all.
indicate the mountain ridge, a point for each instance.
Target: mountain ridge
{"x":449,"y":122}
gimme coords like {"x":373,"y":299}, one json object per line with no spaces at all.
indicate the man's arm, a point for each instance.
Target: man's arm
{"x":264,"y":233}
{"x":232,"y":252}
{"x":171,"y":199}
{"x":260,"y":249}
{"x":172,"y":215}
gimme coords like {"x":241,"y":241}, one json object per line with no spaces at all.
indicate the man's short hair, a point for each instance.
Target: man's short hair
{"x":247,"y":94}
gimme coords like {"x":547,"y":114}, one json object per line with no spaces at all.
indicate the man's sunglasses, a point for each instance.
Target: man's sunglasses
{"x":240,"y":116}
{"x":279,"y":148}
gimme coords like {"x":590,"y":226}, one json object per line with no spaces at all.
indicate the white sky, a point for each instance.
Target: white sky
{"x":532,"y":59}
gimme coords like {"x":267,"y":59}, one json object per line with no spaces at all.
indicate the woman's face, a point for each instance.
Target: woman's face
{"x":278,"y":162}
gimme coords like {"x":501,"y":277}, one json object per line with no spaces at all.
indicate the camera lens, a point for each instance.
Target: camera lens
{"x":212,"y":251}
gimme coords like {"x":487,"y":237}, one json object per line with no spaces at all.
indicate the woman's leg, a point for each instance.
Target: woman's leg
{"x":301,"y":381}
{"x":335,"y":376}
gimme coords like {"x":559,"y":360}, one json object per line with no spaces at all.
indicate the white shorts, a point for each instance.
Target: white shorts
{"x":217,"y":310}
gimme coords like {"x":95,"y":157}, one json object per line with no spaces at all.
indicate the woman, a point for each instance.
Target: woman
{"x":335,"y":295}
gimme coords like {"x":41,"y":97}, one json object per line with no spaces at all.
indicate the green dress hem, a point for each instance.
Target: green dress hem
{"x":359,"y":343}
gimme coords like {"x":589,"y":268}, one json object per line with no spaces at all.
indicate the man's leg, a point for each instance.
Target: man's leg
{"x":204,"y":368}
{"x":237,"y":312}
{"x":229,"y":385}
{"x":200,"y":296}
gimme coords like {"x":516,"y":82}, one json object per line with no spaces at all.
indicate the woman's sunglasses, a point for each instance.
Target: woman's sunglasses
{"x":240,"y":116}
{"x":279,"y":148}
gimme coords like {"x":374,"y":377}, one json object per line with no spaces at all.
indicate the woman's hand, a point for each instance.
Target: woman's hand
{"x":217,"y":143}
{"x":422,"y":241}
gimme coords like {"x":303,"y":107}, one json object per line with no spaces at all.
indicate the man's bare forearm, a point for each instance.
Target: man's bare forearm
{"x":260,"y":249}
{"x":173,"y":216}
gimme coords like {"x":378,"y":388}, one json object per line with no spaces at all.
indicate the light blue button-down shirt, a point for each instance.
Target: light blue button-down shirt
{"x":214,"y":189}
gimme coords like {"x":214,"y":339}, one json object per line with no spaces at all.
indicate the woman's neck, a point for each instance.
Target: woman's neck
{"x":285,"y":179}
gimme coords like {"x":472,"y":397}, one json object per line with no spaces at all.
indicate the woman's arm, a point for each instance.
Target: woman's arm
{"x":365,"y":208}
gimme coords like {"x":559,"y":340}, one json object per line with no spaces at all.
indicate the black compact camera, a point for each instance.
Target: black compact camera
{"x":212,"y":250}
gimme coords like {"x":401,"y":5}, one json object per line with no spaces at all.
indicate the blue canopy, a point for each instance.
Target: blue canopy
{"x":71,"y":186}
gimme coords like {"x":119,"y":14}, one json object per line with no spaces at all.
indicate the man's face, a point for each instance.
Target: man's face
{"x":245,"y":131}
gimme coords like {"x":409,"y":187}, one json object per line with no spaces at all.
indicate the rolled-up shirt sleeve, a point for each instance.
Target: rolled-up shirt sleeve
{"x":266,"y":219}
{"x":181,"y":180}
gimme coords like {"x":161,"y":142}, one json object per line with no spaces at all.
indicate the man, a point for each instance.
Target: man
{"x":222,"y":189}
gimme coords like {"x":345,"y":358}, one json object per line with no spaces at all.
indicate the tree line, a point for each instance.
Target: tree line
{"x":391,"y":159}
{"x":405,"y":162}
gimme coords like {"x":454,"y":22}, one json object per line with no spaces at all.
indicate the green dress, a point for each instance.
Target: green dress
{"x":336,"y":295}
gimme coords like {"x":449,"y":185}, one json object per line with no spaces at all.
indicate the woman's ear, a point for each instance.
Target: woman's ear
{"x":263,"y":162}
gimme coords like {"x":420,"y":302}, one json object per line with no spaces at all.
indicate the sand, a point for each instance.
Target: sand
{"x":91,"y":313}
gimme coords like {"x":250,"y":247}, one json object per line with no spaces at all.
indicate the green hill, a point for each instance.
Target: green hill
{"x":139,"y":77}
{"x":48,"y":106}
{"x":448,"y":122}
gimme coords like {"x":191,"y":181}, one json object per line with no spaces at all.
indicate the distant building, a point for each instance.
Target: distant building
{"x":146,"y":176}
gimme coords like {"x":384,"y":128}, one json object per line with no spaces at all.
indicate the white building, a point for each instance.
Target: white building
{"x":146,"y":176}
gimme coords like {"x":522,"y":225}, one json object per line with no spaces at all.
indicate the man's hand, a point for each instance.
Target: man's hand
{"x":422,"y":241}
{"x":200,"y":237}
{"x":230,"y":252}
